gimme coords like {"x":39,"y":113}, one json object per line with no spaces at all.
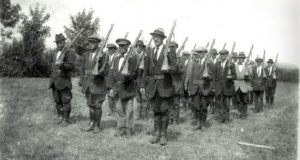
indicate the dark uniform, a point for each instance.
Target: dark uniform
{"x":158,"y":86}
{"x":199,"y":86}
{"x":224,"y":87}
{"x":212,"y":101}
{"x":272,"y":74}
{"x":258,"y":84}
{"x":124,"y":88}
{"x":94,"y":85}
{"x":60,"y":81}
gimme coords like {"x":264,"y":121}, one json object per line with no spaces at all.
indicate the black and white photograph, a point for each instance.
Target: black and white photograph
{"x":149,"y":79}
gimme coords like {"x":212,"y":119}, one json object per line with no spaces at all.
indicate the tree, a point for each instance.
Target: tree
{"x":34,"y":31}
{"x":9,"y":17}
{"x":81,"y":20}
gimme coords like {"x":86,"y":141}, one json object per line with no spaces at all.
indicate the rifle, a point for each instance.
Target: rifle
{"x":182,"y":47}
{"x":274,"y":67}
{"x":125,"y":65}
{"x":205,"y":74}
{"x":66,"y":47}
{"x":195,"y":46}
{"x":230,"y":58}
{"x":263,"y":64}
{"x":224,"y":46}
{"x":189,"y":69}
{"x":126,"y":35}
{"x":99,"y":52}
{"x":207,"y":44}
{"x":140,"y":64}
{"x":165,"y":65}
{"x":248,"y":59}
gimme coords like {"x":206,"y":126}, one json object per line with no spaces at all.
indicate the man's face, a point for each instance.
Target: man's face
{"x":223,"y":57}
{"x":139,"y":49}
{"x":258,"y":63}
{"x":158,"y":40}
{"x":60,"y":45}
{"x":123,"y":48}
{"x":111,"y":50}
{"x":269,"y":64}
{"x":93,"y":45}
{"x":186,"y":56}
{"x":202,"y":55}
{"x":241,"y":60}
{"x":235,"y":59}
{"x":214,"y":56}
{"x":173,"y":48}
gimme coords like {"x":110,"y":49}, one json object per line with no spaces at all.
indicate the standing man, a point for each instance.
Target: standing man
{"x":224,"y":87}
{"x":123,"y":88}
{"x":199,"y":86}
{"x":182,"y":66}
{"x":272,"y":74}
{"x":158,"y":85}
{"x":235,"y":60}
{"x":94,"y":84}
{"x":213,"y":62}
{"x":60,"y":80}
{"x":112,"y":52}
{"x":143,"y":105}
{"x":242,"y":85}
{"x":258,"y":84}
{"x":177,"y":83}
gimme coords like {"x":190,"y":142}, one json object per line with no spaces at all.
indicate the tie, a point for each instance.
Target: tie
{"x":200,"y":62}
{"x":91,"y":57}
{"x":156,"y":52}
{"x":258,"y":71}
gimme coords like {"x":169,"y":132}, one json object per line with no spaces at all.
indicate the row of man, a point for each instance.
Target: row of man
{"x":210,"y":82}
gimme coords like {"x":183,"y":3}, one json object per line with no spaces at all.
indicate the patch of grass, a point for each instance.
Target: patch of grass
{"x":27,"y":131}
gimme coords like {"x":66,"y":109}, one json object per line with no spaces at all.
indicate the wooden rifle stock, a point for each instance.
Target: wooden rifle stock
{"x":165,"y":65}
{"x":274,"y":67}
{"x":195,"y":45}
{"x":207,"y":44}
{"x":182,"y":46}
{"x":66,"y":47}
{"x":230,"y":58}
{"x":224,"y":46}
{"x":263,"y":64}
{"x":99,"y":52}
{"x":205,"y":74}
{"x":126,"y":35}
{"x":248,"y":59}
{"x":125,"y":65}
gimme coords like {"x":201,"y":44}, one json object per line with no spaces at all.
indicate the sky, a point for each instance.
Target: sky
{"x":270,"y":25}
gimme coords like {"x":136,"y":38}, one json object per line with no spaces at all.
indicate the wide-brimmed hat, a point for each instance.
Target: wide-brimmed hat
{"x":270,"y":61}
{"x":140,"y":43}
{"x":200,"y":50}
{"x":214,"y":51}
{"x":159,"y":32}
{"x":94,"y":38}
{"x":123,"y":41}
{"x":235,"y":55}
{"x":224,"y":51}
{"x":59,"y":37}
{"x":111,"y":45}
{"x":173,"y":44}
{"x":241,"y":55}
{"x":258,"y":59}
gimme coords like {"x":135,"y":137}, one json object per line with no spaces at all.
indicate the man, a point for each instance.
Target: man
{"x":123,"y":88}
{"x":60,"y":80}
{"x":177,"y":83}
{"x":242,"y":85}
{"x":199,"y":86}
{"x":258,"y":84}
{"x":224,"y":75}
{"x":112,"y":52}
{"x":235,"y":59}
{"x":213,"y":62}
{"x":272,"y":74}
{"x":94,"y":85}
{"x":158,"y":85}
{"x":143,"y":105}
{"x":182,"y":68}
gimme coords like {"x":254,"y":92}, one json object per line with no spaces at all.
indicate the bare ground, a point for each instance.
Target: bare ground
{"x":27,"y":111}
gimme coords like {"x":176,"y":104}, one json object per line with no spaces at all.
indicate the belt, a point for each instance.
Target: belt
{"x":156,"y":77}
{"x":198,"y":82}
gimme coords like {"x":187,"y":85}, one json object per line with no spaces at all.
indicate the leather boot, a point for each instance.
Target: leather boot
{"x":199,"y":124}
{"x":164,"y":128}
{"x":65,"y":121}
{"x":157,"y":129}
{"x":59,"y":118}
{"x":92,"y":123}
{"x":98,"y":115}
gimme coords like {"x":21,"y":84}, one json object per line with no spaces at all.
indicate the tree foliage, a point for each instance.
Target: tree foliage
{"x":83,"y":19}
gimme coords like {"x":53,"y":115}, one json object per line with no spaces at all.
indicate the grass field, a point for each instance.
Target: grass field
{"x":27,"y":111}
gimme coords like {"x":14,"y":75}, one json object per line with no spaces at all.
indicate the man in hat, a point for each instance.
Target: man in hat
{"x":199,"y":86}
{"x":60,"y":79}
{"x":182,"y":65}
{"x":258,"y":84}
{"x":123,"y":88}
{"x":271,"y":72}
{"x":158,"y":86}
{"x":94,"y":85}
{"x":112,"y":52}
{"x":213,"y":61}
{"x":242,"y":85}
{"x":224,"y":74}
{"x":235,"y":59}
{"x":178,"y":85}
{"x":143,"y":105}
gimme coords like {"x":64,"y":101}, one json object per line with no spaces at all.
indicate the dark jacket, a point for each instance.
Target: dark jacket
{"x":152,"y":69}
{"x":271,"y":81}
{"x":60,"y":77}
{"x":258,"y":82}
{"x":222,"y":84}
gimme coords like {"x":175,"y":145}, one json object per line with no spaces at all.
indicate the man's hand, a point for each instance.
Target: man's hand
{"x":142,"y":90}
{"x":111,"y":93}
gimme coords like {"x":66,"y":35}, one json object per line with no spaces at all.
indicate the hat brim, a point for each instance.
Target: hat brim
{"x":63,"y":39}
{"x":157,"y":34}
{"x":94,"y":40}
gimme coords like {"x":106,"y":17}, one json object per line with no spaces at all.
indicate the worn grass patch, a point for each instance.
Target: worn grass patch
{"x":27,"y":132}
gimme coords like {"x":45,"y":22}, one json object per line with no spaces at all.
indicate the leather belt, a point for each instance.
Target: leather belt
{"x":156,"y":77}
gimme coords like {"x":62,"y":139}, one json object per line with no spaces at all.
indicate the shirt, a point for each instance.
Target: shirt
{"x":92,"y":55}
{"x":159,"y":51}
{"x":122,"y":58}
{"x":270,"y":70}
{"x":201,"y":61}
{"x":223,"y":64}
{"x":186,"y":61}
{"x":241,"y":66}
{"x":258,"y":70}
{"x":58,"y":55}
